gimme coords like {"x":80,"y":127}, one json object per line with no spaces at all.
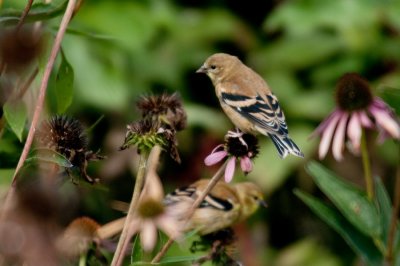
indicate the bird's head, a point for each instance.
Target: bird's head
{"x":250,"y":197}
{"x":218,"y":66}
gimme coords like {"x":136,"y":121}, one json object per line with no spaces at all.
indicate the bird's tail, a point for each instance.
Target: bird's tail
{"x":285,"y":145}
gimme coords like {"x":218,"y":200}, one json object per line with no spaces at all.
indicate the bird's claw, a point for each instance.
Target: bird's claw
{"x":237,"y":134}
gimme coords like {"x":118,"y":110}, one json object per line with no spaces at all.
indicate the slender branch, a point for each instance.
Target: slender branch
{"x":367,"y":167}
{"x":125,"y":236}
{"x":24,"y":14}
{"x":43,"y":87}
{"x":393,"y":222}
{"x":214,"y":180}
{"x":40,"y":101}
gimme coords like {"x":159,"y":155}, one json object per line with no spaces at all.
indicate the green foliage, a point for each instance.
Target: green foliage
{"x":361,"y":244}
{"x":64,"y":85}
{"x":15,"y":113}
{"x":350,"y":200}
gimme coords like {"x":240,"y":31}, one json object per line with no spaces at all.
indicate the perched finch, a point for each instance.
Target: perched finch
{"x":248,"y":101}
{"x":223,"y":207}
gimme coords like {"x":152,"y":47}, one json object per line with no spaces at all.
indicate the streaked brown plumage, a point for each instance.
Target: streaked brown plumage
{"x":223,"y":207}
{"x":248,"y":101}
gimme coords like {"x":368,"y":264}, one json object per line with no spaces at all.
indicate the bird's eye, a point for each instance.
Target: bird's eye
{"x":213,"y":67}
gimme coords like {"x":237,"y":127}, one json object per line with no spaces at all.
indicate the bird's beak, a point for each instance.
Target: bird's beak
{"x":263,"y":203}
{"x":202,"y":69}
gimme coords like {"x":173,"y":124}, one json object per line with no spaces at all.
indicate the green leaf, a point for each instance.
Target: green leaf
{"x":137,"y":251}
{"x":391,"y":96}
{"x":359,"y":242}
{"x":39,"y":11}
{"x":350,"y":200}
{"x":384,"y":209}
{"x":16,"y":114}
{"x":50,"y":156}
{"x":64,"y":85}
{"x":175,"y":259}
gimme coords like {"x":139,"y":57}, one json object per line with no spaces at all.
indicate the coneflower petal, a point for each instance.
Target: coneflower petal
{"x":246,"y":164}
{"x":215,"y":157}
{"x":148,"y":235}
{"x":327,"y":134}
{"x":354,"y":131}
{"x":364,"y":119}
{"x":230,"y":169}
{"x":338,"y":140}
{"x":386,"y":121}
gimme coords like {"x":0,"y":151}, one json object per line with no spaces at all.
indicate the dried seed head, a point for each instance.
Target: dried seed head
{"x":164,"y":109}
{"x":18,"y":48}
{"x":66,"y":136}
{"x":353,"y":92}
{"x":236,"y":147}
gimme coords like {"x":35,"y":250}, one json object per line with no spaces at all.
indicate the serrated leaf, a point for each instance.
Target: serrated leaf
{"x":16,"y":114}
{"x":359,"y":242}
{"x":50,"y":156}
{"x":64,"y":85}
{"x":352,"y":202}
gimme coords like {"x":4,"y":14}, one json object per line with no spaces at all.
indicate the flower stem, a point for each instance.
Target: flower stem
{"x":393,"y":222}
{"x":125,"y":236}
{"x":214,"y":180}
{"x":367,"y":167}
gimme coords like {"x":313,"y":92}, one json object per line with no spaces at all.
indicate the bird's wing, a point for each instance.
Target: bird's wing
{"x":264,"y":112}
{"x":191,"y":194}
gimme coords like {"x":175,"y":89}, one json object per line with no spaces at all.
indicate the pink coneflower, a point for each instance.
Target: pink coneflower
{"x":356,"y":108}
{"x":236,"y":148}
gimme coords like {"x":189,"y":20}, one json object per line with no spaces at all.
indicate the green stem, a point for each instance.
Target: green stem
{"x":367,"y":167}
{"x":214,"y":180}
{"x":125,"y":236}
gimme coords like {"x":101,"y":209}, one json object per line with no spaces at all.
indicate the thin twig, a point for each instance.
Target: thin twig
{"x":43,"y":86}
{"x":214,"y":180}
{"x":367,"y":167}
{"x":148,"y":162}
{"x":393,"y":222}
{"x":42,"y":94}
{"x":24,"y":14}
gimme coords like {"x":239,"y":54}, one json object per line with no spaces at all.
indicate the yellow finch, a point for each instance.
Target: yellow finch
{"x":248,"y":101}
{"x":223,"y":207}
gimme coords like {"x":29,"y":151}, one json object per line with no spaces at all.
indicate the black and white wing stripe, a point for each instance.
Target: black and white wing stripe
{"x":266,"y":115}
{"x":190,"y":193}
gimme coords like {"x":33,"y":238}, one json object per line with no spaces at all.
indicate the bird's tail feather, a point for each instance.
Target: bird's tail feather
{"x":285,"y":145}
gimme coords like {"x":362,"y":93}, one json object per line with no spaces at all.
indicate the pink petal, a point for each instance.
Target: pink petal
{"x":386,"y":121}
{"x":324,"y":124}
{"x":171,"y":226}
{"x":327,"y":135}
{"x":215,"y":157}
{"x":148,"y":235}
{"x":246,"y":164}
{"x":338,"y":139}
{"x":365,"y":121}
{"x":230,"y":169}
{"x":354,"y":131}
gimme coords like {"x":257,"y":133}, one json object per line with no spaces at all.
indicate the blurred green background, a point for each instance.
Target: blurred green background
{"x":121,"y":50}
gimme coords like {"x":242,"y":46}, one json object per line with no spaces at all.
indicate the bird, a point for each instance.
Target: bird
{"x":247,"y":100}
{"x":224,"y":206}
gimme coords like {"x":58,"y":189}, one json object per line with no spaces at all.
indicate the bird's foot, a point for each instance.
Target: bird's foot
{"x":237,"y":134}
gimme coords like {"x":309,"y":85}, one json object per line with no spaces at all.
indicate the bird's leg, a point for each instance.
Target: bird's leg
{"x":237,"y":134}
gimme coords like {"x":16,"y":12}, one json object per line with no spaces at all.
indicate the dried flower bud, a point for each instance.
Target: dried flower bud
{"x":66,"y":136}
{"x":78,"y":237}
{"x":18,"y":48}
